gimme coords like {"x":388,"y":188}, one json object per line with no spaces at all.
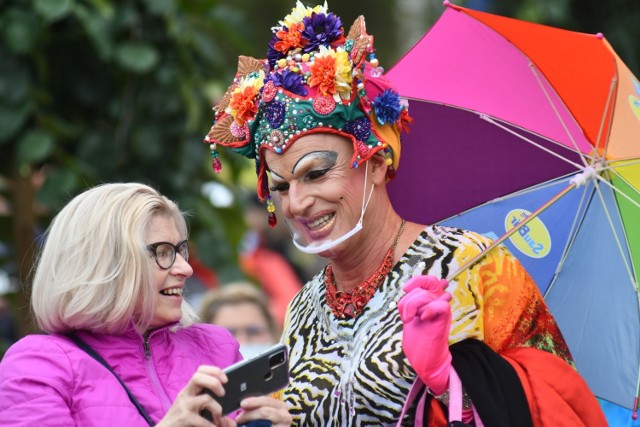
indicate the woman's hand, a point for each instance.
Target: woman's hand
{"x":186,"y":409}
{"x":426,"y":318}
{"x":264,"y":408}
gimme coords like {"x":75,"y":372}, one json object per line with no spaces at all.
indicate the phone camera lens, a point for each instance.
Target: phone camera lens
{"x":277,"y":359}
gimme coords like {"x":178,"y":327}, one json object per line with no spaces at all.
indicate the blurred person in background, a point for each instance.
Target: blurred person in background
{"x":261,"y":260}
{"x":203,"y":280}
{"x":268,"y":262}
{"x":244,"y":310}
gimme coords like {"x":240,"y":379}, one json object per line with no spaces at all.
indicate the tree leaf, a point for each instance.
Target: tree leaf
{"x":35,"y":146}
{"x":11,"y":119}
{"x":104,"y":7}
{"x":21,"y":31}
{"x":58,"y":188}
{"x":161,"y":7}
{"x":14,"y":82}
{"x":95,"y":23}
{"x":136,"y":56}
{"x":52,"y":10}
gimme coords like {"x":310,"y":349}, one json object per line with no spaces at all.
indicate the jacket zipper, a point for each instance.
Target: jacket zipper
{"x":152,"y":374}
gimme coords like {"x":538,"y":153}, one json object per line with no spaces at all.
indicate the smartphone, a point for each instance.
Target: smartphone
{"x":264,"y":373}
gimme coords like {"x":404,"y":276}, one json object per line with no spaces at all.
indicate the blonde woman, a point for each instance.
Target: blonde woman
{"x":108,"y":291}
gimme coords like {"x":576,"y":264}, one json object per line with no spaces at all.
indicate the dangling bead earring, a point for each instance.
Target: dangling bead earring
{"x":377,"y":69}
{"x":271,"y":208}
{"x":215,"y":161}
{"x":391,"y":172}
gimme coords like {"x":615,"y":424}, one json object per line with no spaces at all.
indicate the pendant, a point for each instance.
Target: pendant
{"x":349,"y":310}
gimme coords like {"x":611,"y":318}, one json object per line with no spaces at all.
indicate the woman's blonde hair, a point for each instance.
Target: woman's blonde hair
{"x":94,"y":270}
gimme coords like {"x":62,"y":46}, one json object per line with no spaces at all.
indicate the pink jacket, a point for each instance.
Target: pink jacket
{"x":47,"y":380}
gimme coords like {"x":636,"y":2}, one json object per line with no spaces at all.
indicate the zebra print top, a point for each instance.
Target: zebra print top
{"x":353,"y":372}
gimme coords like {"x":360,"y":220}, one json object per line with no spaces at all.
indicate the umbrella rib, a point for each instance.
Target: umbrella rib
{"x":615,"y":235}
{"x":535,"y":144}
{"x":617,"y":190}
{"x":580,"y":213}
{"x":555,"y":110}
{"x":637,"y":397}
{"x":630,"y":161}
{"x":533,"y":188}
{"x":524,"y":191}
{"x":612,"y":87}
{"x":521,"y":192}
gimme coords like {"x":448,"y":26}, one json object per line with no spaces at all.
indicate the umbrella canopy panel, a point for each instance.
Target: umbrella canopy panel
{"x":580,"y":65}
{"x":462,"y":62}
{"x":596,"y":304}
{"x":458,"y":161}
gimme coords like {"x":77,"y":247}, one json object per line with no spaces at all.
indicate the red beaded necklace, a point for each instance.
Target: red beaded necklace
{"x":352,"y":302}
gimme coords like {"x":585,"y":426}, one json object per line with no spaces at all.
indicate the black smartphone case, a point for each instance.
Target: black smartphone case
{"x":263,"y":374}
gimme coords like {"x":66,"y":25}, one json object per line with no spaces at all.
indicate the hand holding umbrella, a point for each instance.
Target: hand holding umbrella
{"x":426,"y":314}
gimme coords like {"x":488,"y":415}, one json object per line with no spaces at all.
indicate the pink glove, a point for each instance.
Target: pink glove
{"x":426,"y":314}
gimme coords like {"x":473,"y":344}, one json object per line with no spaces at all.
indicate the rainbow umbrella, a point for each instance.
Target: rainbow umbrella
{"x":531,"y":134}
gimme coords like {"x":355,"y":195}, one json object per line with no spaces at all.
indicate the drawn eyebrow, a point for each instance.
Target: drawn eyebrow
{"x":276,"y":175}
{"x":328,"y":157}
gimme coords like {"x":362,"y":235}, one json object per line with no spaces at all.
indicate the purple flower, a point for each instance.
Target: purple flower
{"x":290,"y":81}
{"x":387,"y":107}
{"x":321,"y":29}
{"x":272,"y":54}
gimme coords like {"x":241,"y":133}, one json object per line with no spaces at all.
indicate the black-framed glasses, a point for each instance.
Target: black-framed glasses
{"x":165,"y":252}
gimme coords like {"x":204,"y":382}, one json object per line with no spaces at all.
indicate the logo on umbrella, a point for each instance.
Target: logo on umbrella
{"x":532,"y":239}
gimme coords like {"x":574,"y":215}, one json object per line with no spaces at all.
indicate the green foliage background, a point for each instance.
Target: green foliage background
{"x":96,"y":91}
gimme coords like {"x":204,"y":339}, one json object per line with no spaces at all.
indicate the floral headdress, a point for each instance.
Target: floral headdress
{"x":314,"y":80}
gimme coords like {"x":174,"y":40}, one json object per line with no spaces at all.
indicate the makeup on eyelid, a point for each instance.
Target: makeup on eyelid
{"x":310,"y":166}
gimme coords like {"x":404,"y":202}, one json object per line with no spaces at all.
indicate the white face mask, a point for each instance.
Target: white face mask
{"x":316,"y":247}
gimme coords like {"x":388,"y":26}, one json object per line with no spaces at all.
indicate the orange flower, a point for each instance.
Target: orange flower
{"x":289,"y":38}
{"x":242,"y":105}
{"x":323,"y":74}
